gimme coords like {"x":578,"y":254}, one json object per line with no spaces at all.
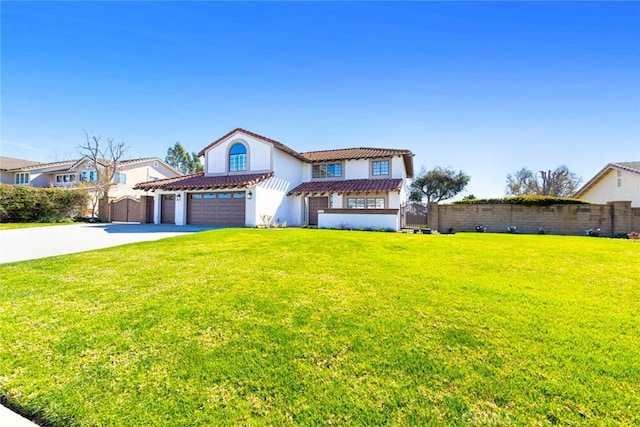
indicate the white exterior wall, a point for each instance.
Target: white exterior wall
{"x":607,"y":190}
{"x":332,"y":220}
{"x":271,"y":195}
{"x":396,"y":199}
{"x":181,"y":208}
{"x":156,"y":207}
{"x":356,"y":169}
{"x":259,"y":155}
{"x":397,"y":168}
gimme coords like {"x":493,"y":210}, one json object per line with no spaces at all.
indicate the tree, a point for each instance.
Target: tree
{"x":183,"y":161}
{"x":437,"y":184}
{"x":105,"y":159}
{"x":560,"y":182}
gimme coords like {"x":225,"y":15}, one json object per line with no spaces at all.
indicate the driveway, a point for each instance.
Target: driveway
{"x":23,"y":244}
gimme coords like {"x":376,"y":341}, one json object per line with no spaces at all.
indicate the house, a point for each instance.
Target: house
{"x":614,"y":182}
{"x":250,"y":179}
{"x":72,"y":173}
{"x":8,"y":164}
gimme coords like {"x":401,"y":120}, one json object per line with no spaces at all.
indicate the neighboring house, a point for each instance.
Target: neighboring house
{"x":615,"y":182}
{"x":71,"y":173}
{"x":250,"y":178}
{"x":7,"y":164}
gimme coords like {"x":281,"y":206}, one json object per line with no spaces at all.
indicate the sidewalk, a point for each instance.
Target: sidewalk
{"x":8,"y":418}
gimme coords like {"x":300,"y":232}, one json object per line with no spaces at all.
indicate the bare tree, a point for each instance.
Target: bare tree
{"x":559,"y":183}
{"x":105,"y":158}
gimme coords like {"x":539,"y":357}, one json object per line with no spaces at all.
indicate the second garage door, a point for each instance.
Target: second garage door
{"x":216,"y":209}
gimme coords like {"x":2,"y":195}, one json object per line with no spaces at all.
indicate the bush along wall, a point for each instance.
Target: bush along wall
{"x":525,"y":200}
{"x":28,"y":204}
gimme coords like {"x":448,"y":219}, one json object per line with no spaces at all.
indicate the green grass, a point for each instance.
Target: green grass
{"x":327,"y":327}
{"x":13,"y":225}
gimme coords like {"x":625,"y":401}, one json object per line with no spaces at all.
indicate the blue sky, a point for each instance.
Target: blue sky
{"x":483,"y":87}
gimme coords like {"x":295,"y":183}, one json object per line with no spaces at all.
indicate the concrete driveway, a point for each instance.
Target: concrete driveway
{"x":23,"y":244}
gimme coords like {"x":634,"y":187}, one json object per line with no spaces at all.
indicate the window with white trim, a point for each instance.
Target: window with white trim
{"x":380,"y":167}
{"x":238,"y":158}
{"x":365,"y":202}
{"x":67,"y":178}
{"x":91,"y":176}
{"x":619,"y":178}
{"x":22,"y":178}
{"x":326,"y":170}
{"x":120,"y":178}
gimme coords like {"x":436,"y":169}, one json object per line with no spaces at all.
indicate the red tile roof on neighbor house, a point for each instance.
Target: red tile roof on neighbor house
{"x":200,"y":182}
{"x":347,"y":186}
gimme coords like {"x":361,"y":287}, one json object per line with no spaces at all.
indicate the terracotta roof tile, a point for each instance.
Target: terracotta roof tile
{"x":275,"y":143}
{"x":353,"y":154}
{"x":347,"y":186}
{"x":200,"y":182}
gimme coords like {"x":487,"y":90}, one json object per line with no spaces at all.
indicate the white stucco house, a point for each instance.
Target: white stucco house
{"x":615,"y":182}
{"x":249,"y":177}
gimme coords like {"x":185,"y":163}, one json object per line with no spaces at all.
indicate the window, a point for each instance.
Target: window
{"x":91,"y":176}
{"x":224,"y":195}
{"x":365,"y":203}
{"x":356,"y":203}
{"x":209,"y":196}
{"x":66,"y":178}
{"x":380,"y":167}
{"x":238,"y":158}
{"x":22,"y":178}
{"x":326,"y":170}
{"x":120,"y":178}
{"x":619,"y":178}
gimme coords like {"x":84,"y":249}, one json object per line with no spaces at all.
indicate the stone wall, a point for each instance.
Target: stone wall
{"x":612,"y":218}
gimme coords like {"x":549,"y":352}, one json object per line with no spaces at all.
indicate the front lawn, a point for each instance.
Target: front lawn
{"x":326,"y":327}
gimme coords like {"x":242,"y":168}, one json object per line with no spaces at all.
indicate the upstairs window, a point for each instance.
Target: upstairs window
{"x":66,"y":178}
{"x":238,"y":158}
{"x":120,"y":178}
{"x":327,"y":170}
{"x":380,"y":167}
{"x":22,"y":178}
{"x":619,"y":178}
{"x":90,"y":176}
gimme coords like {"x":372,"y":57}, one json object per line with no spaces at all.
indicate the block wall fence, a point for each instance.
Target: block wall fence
{"x":612,"y":218}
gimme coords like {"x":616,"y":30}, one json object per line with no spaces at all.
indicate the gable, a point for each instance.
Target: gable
{"x":259,"y":155}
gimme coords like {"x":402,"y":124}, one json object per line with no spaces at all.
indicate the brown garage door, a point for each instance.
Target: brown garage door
{"x":168,"y":209}
{"x":125,"y":209}
{"x":316,"y":204}
{"x":216,"y":209}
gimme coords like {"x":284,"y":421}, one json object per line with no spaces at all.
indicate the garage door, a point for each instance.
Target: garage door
{"x":168,"y":209}
{"x":216,"y":209}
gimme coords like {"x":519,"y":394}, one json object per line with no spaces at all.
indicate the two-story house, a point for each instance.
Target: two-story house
{"x":249,"y":178}
{"x":81,"y":172}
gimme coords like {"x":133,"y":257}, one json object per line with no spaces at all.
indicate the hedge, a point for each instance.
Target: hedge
{"x":525,"y":200}
{"x":28,"y":204}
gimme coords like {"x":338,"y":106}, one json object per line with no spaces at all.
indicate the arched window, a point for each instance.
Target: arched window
{"x":238,"y":158}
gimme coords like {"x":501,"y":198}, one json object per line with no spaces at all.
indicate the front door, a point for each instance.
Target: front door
{"x":316,"y":204}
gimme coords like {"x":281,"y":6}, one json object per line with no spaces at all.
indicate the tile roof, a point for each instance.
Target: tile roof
{"x":626,"y":166}
{"x":200,"y":182}
{"x":353,"y":154}
{"x":275,"y":143}
{"x":347,"y":186}
{"x":8,"y":163}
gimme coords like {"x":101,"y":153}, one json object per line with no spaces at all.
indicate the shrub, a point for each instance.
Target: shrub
{"x":524,"y":200}
{"x":28,"y":204}
{"x":481,"y":229}
{"x":633,"y":235}
{"x":512,"y":229}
